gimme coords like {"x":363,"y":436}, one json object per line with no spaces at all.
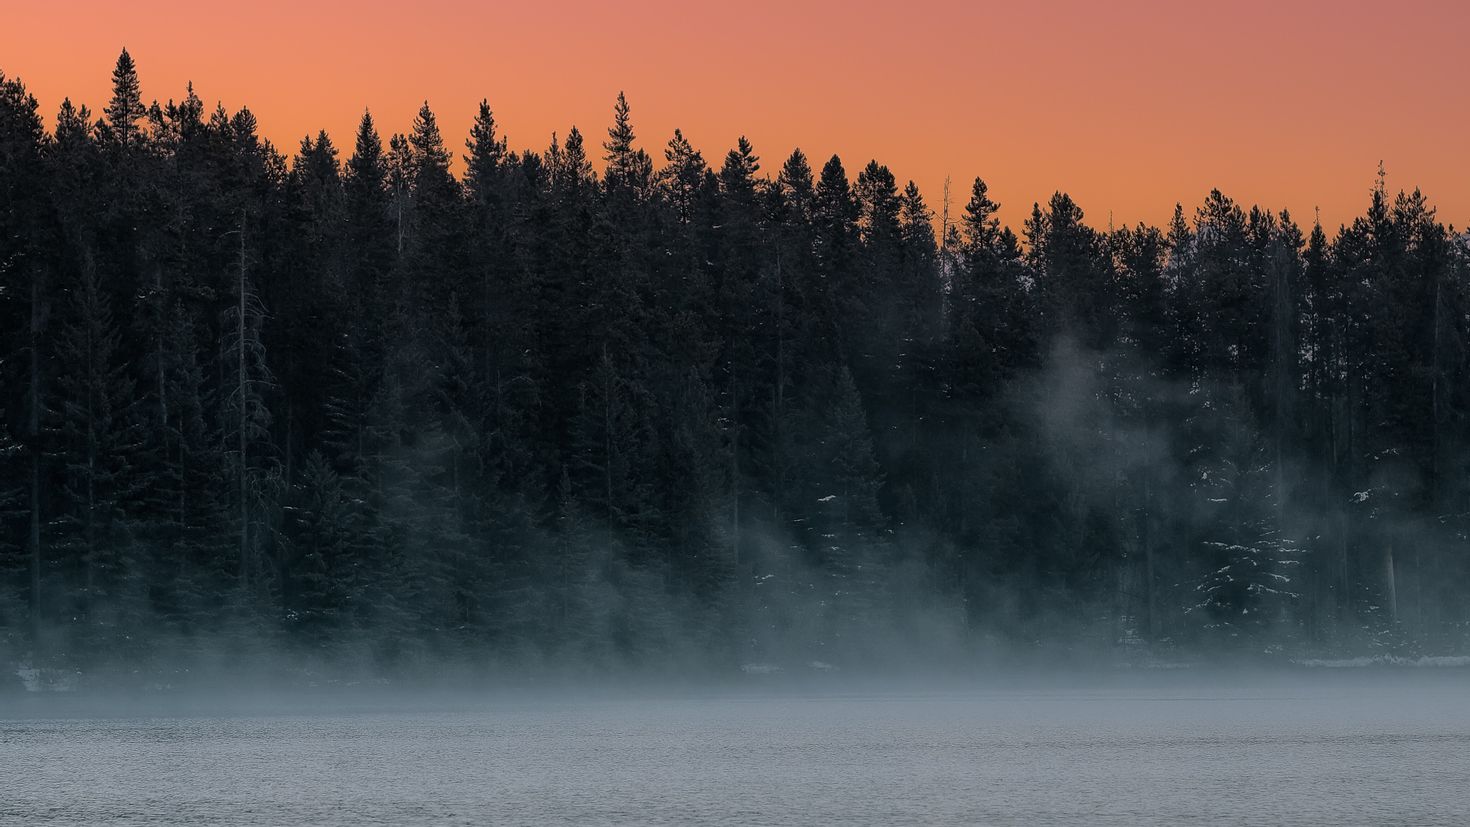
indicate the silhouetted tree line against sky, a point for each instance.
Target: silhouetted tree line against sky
{"x":349,"y":405}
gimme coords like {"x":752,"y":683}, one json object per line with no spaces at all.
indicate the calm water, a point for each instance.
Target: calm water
{"x":1363,"y":755}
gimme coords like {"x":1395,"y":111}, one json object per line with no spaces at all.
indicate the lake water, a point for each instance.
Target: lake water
{"x":1376,"y":753}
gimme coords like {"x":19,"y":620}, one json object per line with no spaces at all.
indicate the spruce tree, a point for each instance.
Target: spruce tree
{"x":125,"y":108}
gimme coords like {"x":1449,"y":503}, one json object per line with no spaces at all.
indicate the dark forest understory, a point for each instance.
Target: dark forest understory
{"x":354,"y":407}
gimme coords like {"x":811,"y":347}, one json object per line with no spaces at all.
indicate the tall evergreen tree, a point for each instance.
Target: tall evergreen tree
{"x":125,"y":108}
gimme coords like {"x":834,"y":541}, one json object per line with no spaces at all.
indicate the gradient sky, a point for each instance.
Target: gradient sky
{"x":1129,"y":106}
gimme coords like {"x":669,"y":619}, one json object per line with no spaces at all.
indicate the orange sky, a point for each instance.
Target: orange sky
{"x":1129,"y":106}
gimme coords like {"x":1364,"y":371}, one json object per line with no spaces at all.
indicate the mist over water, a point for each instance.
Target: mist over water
{"x":1378,"y":748}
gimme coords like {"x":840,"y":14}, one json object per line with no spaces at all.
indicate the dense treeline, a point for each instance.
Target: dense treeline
{"x":348,"y":403}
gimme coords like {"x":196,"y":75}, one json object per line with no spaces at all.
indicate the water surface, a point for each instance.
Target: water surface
{"x":1379,"y":753}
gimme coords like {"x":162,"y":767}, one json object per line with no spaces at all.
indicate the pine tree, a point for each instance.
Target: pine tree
{"x":847,"y":525}
{"x":990,"y":337}
{"x":125,"y":108}
{"x":1072,"y":277}
{"x":611,"y":446}
{"x":682,"y":176}
{"x":25,"y":300}
{"x":628,"y":168}
{"x":487,"y":156}
{"x":911,"y":372}
{"x":1251,"y":580}
{"x":99,"y":445}
{"x":246,"y":415}
{"x":834,"y":216}
{"x":198,"y":562}
{"x":434,"y":255}
{"x":323,"y":577}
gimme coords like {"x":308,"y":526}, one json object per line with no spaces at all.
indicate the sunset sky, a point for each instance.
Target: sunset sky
{"x":1129,"y":106}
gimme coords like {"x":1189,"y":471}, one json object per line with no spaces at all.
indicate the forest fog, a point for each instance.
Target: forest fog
{"x":356,"y":413}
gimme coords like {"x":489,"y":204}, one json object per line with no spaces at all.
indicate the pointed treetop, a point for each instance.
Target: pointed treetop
{"x":876,"y":183}
{"x":486,"y":154}
{"x":367,"y":133}
{"x":1317,"y":242}
{"x":915,"y":217}
{"x":834,"y":175}
{"x":365,"y":167}
{"x":569,"y":160}
{"x":980,"y":198}
{"x":878,"y":202}
{"x":68,"y":117}
{"x":126,"y":106}
{"x":744,"y":147}
{"x":191,"y":108}
{"x":981,"y":227}
{"x":486,"y":147}
{"x":620,"y":134}
{"x":430,"y":155}
{"x":320,"y":146}
{"x":425,"y":136}
{"x":245,"y":127}
{"x":680,"y":151}
{"x":833,"y":195}
{"x":627,"y":167}
{"x":682,"y":175}
{"x":915,"y":211}
{"x":796,"y":175}
{"x":73,"y":127}
{"x":741,"y":164}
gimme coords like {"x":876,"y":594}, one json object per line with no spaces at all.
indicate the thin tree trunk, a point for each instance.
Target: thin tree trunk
{"x":398,"y":212}
{"x":240,"y":389}
{"x":1147,"y":539}
{"x":35,"y":438}
{"x":779,"y":394}
{"x":735,"y":473}
{"x":89,"y":521}
{"x":608,"y":385}
{"x":1434,"y":462}
{"x":159,"y":350}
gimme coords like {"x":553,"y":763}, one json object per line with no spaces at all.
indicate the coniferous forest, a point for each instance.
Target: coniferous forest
{"x":612,"y":403}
